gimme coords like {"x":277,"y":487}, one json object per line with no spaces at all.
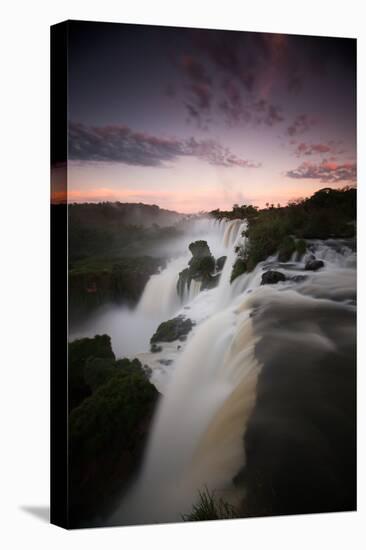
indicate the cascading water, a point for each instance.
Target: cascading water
{"x":160,"y":296}
{"x":209,"y":382}
{"x":203,"y":396}
{"x":191,"y":447}
{"x":237,"y":239}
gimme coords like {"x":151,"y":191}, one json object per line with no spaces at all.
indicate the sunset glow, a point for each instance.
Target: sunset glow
{"x":194,"y":120}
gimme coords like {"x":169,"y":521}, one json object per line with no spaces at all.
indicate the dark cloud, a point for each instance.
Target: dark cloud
{"x":312,"y":148}
{"x":260,"y":66}
{"x":195,"y":70}
{"x":240,"y":64}
{"x":273,"y":115}
{"x":123,"y":145}
{"x":301,"y":124}
{"x":248,"y":77}
{"x":202,"y":95}
{"x":236,"y":110}
{"x":327,"y":171}
{"x":307,"y":149}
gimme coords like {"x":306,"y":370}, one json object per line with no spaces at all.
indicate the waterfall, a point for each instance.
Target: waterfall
{"x":231,"y":232}
{"x":224,"y":287}
{"x":160,"y":297}
{"x":213,"y":387}
{"x":210,"y":383}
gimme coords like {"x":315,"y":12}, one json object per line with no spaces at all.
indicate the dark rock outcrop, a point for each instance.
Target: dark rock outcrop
{"x":199,"y":249}
{"x":210,"y":281}
{"x":201,"y":267}
{"x":220,"y":262}
{"x":272,"y":277}
{"x":174,"y":329}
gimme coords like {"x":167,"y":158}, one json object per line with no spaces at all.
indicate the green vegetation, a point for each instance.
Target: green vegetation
{"x":239,"y":267}
{"x":286,"y":249}
{"x":118,"y":229}
{"x":210,"y":508}
{"x":244,"y":212}
{"x":199,"y":249}
{"x":300,"y":248}
{"x":174,"y":329}
{"x":329,"y":213}
{"x":79,"y":352}
{"x":108,"y":425}
{"x":97,"y":281}
{"x":113,"y":251}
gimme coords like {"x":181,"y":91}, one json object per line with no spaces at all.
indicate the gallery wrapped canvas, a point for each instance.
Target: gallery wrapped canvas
{"x":203,"y":233}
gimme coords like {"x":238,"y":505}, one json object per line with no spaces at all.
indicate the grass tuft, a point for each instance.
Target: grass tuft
{"x":210,"y":508}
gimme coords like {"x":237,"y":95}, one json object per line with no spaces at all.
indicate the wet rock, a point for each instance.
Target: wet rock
{"x":155,"y":348}
{"x":272,"y":277}
{"x":210,"y":281}
{"x":220,"y":262}
{"x":313,"y":264}
{"x":166,"y":362}
{"x":184,"y":279}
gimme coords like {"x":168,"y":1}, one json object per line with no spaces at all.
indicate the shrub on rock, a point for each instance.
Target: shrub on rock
{"x":174,"y":329}
{"x":107,"y":434}
{"x":239,"y":267}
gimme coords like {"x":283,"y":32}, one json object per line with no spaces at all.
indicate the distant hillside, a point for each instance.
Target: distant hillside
{"x":118,"y":213}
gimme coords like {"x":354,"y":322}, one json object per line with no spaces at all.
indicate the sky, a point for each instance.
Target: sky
{"x":193,"y":120}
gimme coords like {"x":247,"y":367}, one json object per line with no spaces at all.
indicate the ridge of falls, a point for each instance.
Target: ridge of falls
{"x":209,"y":382}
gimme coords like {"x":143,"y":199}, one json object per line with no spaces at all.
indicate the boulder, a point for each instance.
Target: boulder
{"x":272,"y":277}
{"x":313,"y":265}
